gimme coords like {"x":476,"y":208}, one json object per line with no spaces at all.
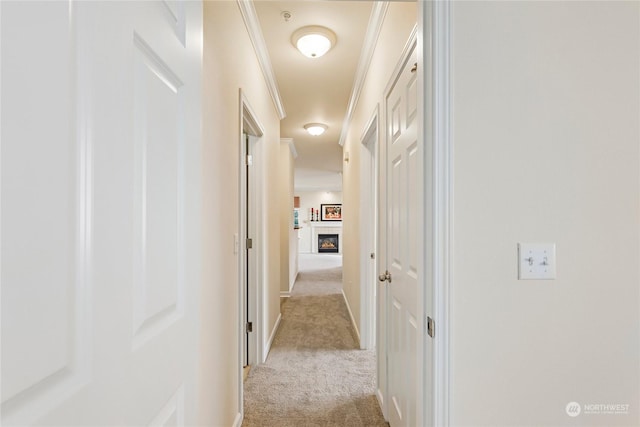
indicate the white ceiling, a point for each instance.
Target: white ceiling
{"x":315,"y":90}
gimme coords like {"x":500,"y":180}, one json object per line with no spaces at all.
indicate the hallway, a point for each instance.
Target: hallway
{"x":315,"y":374}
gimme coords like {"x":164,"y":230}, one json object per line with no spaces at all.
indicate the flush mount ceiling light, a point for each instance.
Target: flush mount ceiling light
{"x":313,"y":41}
{"x":315,"y":129}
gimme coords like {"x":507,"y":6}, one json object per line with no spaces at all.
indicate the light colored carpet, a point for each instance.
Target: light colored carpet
{"x":315,"y":376}
{"x":318,"y":262}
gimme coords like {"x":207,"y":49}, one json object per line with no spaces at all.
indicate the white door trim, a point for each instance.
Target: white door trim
{"x":250,"y":125}
{"x":368,"y":229}
{"x":435,"y":48}
{"x":382,"y":367}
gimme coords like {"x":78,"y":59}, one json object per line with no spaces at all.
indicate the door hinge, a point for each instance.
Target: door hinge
{"x":431,"y":327}
{"x":249,"y":160}
{"x":249,"y":243}
{"x":248,"y":327}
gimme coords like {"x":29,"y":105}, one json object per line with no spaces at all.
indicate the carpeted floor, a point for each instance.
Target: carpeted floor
{"x":315,"y":375}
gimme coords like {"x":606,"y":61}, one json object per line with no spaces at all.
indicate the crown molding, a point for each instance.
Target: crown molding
{"x":374,"y":27}
{"x":252,"y":23}
{"x":292,"y":146}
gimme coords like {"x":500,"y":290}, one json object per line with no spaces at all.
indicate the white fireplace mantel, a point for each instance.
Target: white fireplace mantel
{"x":325,"y":228}
{"x":318,"y":224}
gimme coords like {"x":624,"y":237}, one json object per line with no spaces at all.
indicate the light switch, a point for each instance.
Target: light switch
{"x":536,"y":261}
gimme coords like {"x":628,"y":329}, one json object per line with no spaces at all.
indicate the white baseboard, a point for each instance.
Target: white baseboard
{"x":353,"y":320}
{"x":381,"y":403}
{"x":267,"y":347}
{"x":293,"y":282}
{"x":238,"y":421}
{"x":285,"y":294}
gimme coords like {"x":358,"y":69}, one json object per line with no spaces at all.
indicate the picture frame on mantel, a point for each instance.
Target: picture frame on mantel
{"x":331,"y":212}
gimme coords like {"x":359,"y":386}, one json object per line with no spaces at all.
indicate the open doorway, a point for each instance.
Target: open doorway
{"x":368,"y":231}
{"x":320,"y":224}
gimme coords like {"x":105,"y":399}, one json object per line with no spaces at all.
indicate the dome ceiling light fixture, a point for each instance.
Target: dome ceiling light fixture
{"x":315,"y":129}
{"x":313,"y":41}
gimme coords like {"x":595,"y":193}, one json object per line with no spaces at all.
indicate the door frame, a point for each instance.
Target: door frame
{"x":435,"y":126}
{"x":434,"y":85}
{"x":249,"y":304}
{"x":369,"y":186}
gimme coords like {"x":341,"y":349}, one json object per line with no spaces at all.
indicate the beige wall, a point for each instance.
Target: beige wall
{"x":229,"y":64}
{"x":399,"y":21}
{"x":288,"y":236}
{"x":545,"y":139}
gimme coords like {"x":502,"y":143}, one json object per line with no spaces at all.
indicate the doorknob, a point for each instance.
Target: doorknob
{"x":386,"y":277}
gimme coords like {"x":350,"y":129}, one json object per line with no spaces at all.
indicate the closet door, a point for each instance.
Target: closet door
{"x":99,"y":172}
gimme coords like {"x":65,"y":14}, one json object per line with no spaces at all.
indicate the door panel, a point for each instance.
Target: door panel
{"x":396,"y":345}
{"x":100,"y":159}
{"x":42,"y":207}
{"x":158,"y":186}
{"x":402,"y":211}
{"x":396,"y":197}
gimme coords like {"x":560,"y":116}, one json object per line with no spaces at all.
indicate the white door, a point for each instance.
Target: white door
{"x":404,"y":325}
{"x":100,"y":174}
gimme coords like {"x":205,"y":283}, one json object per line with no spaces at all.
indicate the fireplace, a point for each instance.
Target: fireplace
{"x":328,"y":243}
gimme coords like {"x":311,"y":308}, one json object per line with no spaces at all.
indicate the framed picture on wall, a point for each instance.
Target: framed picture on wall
{"x":331,"y":212}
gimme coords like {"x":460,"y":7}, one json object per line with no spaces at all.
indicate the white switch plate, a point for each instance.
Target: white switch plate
{"x":536,"y":261}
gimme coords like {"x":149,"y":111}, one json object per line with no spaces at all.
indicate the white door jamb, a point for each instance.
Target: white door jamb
{"x":368,"y":230}
{"x":435,"y":47}
{"x":249,"y":125}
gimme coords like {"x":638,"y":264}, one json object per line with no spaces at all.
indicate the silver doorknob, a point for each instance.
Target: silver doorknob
{"x":386,"y":277}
